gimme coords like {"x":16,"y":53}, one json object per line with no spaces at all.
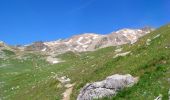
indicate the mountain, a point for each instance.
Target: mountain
{"x":136,"y":70}
{"x":90,"y":41}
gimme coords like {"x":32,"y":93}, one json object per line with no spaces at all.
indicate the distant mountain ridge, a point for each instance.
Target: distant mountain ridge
{"x":90,"y":41}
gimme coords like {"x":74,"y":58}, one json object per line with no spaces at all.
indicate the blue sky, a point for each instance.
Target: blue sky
{"x":26,"y":21}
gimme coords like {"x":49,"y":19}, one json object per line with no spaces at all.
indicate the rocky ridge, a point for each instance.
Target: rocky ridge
{"x":89,"y":41}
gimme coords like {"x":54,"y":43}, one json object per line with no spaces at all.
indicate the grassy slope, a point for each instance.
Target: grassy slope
{"x":151,"y":63}
{"x":34,"y":76}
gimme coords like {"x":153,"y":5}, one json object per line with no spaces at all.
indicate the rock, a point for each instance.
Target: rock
{"x":148,"y":41}
{"x":106,"y":88}
{"x":64,"y":80}
{"x":159,"y":97}
{"x":118,"y":50}
{"x":156,"y":36}
{"x":88,"y":41}
{"x":121,"y":54}
{"x":36,"y":46}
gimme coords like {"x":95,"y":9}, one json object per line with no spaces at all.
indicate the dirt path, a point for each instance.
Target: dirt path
{"x":68,"y":91}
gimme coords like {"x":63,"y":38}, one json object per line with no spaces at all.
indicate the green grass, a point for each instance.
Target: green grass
{"x":8,"y":52}
{"x":34,"y":76}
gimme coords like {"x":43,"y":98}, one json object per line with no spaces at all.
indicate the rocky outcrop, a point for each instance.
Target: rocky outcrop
{"x":37,"y":46}
{"x":121,"y":54}
{"x":106,"y":88}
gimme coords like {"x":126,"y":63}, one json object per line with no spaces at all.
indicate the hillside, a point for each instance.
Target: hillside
{"x":26,"y":75}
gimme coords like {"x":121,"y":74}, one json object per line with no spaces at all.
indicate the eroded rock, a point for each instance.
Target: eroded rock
{"x":106,"y":88}
{"x":122,"y":54}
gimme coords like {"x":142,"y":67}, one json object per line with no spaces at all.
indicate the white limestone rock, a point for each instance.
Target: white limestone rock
{"x":121,"y":54}
{"x":106,"y":88}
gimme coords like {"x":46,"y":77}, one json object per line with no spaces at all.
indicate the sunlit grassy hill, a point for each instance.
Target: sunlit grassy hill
{"x":28,"y":76}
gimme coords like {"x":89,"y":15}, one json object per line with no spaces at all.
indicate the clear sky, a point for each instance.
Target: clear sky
{"x":25,"y":21}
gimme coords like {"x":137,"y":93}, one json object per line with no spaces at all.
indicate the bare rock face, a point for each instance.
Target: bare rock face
{"x":92,"y":41}
{"x":36,"y":46}
{"x":78,"y":43}
{"x":106,"y":88}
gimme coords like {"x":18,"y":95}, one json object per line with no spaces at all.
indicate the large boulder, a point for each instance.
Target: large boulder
{"x":106,"y":88}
